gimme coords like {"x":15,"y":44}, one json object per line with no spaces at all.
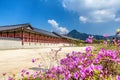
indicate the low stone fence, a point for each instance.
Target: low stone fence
{"x":15,"y":43}
{"x":10,"y":43}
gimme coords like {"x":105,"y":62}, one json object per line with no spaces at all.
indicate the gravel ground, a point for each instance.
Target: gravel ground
{"x":13,"y":61}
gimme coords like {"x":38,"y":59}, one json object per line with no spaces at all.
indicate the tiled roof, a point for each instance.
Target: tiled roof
{"x":10,"y":27}
{"x":70,"y":38}
{"x":57,"y":34}
{"x":44,"y":32}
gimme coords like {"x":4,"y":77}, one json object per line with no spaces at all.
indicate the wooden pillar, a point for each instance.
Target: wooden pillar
{"x":22,"y":37}
{"x":54,"y":40}
{"x":39,"y":38}
{"x":29,"y":38}
{"x":48,"y":40}
{"x":44,"y":40}
{"x":35,"y":38}
{"x":14,"y":34}
{"x":7,"y":34}
{"x":1,"y":34}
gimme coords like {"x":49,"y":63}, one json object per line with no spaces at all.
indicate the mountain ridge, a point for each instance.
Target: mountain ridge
{"x":82,"y":36}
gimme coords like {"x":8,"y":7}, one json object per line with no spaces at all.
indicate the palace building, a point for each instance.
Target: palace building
{"x":26,"y":36}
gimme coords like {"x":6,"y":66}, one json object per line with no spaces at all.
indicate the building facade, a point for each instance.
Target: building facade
{"x":27,"y":36}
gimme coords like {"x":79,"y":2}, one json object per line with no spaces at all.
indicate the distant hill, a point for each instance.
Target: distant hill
{"x":75,"y":34}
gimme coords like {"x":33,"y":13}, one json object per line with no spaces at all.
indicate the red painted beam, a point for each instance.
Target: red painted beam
{"x":22,"y":37}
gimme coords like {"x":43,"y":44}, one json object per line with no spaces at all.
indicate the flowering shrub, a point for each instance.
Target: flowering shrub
{"x":107,"y":40}
{"x":89,"y":39}
{"x":80,"y":66}
{"x":105,"y":35}
{"x":117,"y":31}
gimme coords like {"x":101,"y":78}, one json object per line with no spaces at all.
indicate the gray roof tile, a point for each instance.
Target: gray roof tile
{"x":44,"y":32}
{"x":9,"y":27}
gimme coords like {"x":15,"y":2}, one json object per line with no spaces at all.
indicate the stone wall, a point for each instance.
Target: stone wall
{"x":11,"y":43}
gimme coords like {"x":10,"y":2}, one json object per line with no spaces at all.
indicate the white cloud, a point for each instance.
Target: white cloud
{"x":94,"y":10}
{"x":56,"y":26}
{"x":83,"y":19}
{"x":53,"y":23}
{"x":117,"y":19}
{"x":102,"y":16}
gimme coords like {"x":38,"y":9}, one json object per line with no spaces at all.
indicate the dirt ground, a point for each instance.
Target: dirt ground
{"x":13,"y":61}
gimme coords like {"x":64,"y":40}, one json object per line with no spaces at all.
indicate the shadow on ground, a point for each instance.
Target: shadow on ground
{"x":37,"y":69}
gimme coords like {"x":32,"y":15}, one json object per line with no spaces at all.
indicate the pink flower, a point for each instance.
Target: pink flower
{"x":35,"y":75}
{"x":105,"y":42}
{"x":39,"y":65}
{"x":76,"y":75}
{"x":118,"y":44}
{"x":10,"y":78}
{"x":105,"y":35}
{"x":27,"y":73}
{"x":23,"y":71}
{"x":99,"y":67}
{"x":88,"y":40}
{"x":88,"y":49}
{"x":22,"y":74}
{"x":117,"y":77}
{"x":33,"y":60}
{"x":80,"y":66}
{"x":67,"y":75}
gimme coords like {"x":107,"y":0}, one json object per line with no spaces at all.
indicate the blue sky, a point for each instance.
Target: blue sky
{"x":86,"y":16}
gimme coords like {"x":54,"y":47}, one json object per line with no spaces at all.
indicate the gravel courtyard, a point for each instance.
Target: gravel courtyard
{"x":13,"y":61}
